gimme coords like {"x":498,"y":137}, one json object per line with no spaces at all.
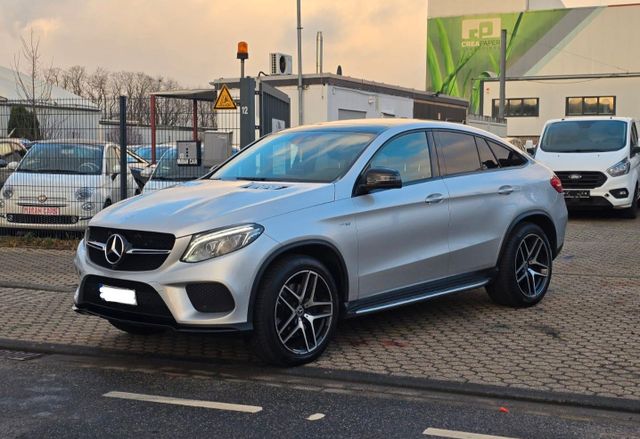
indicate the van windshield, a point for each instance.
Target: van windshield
{"x":584,"y":136}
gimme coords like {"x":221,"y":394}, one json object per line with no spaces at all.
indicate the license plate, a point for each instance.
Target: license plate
{"x":577,"y":194}
{"x":118,"y":295}
{"x":37,"y":210}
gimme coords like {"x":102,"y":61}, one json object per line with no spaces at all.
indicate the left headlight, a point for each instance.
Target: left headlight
{"x":84,"y":193}
{"x":7,"y":192}
{"x":216,"y":243}
{"x":620,"y":168}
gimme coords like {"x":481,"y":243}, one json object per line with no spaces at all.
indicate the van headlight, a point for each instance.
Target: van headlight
{"x":84,"y":193}
{"x":620,"y":168}
{"x":7,"y":192}
{"x":216,"y":243}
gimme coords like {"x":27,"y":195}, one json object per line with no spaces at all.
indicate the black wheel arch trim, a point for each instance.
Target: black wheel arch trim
{"x":553,"y":240}
{"x":287,"y":248}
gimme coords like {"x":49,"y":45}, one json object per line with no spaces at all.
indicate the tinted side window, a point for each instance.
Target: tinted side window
{"x":458,"y":151}
{"x":487,"y":159}
{"x":407,"y":154}
{"x":506,"y":156}
{"x":634,"y":135}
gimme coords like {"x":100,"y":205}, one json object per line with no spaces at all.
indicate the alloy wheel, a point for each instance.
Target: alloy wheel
{"x":304,"y":311}
{"x":533,"y":261}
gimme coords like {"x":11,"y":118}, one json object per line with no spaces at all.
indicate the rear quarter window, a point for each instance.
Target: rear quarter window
{"x":507,"y":157}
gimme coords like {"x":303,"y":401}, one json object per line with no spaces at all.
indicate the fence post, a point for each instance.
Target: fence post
{"x":123,"y":147}
{"x":247,"y":111}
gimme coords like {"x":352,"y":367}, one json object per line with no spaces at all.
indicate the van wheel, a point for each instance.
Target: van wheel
{"x":136,"y":329}
{"x":296,"y":311}
{"x":524,"y":270}
{"x":631,"y":212}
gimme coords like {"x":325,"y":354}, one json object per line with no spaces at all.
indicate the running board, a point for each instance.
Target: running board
{"x":370,"y":305}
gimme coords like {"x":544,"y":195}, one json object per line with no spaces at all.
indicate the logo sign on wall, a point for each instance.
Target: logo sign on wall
{"x":480,"y":32}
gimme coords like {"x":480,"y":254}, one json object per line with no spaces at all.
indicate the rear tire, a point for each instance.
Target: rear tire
{"x":524,"y":269}
{"x":296,"y":311}
{"x":136,"y":329}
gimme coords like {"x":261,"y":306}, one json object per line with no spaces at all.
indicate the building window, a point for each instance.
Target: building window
{"x":518,"y":107}
{"x":591,"y":105}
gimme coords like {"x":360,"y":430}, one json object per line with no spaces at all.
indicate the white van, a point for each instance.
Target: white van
{"x":597,"y":160}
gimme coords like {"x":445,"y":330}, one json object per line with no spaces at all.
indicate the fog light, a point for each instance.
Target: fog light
{"x":10,"y":218}
{"x":88,"y":206}
{"x":620,"y":193}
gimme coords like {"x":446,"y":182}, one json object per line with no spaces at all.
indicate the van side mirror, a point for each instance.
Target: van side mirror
{"x":635,"y":150}
{"x":12,"y":166}
{"x":378,"y":178}
{"x":3,"y":163}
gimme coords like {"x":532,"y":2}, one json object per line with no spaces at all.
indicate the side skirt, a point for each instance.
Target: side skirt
{"x":418,"y":293}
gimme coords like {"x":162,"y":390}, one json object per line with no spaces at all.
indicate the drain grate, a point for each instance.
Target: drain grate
{"x":18,"y":355}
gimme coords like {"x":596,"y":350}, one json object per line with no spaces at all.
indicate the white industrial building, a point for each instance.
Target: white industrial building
{"x":61,"y":115}
{"x":566,"y":58}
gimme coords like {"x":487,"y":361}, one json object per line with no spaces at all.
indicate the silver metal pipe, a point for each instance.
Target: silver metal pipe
{"x":300,"y":104}
{"x":319,"y":50}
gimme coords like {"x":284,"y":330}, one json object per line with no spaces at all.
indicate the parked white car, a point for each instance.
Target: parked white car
{"x":61,"y":185}
{"x":597,"y":160}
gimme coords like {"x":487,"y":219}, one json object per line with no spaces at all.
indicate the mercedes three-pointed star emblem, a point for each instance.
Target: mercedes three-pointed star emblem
{"x":115,"y":249}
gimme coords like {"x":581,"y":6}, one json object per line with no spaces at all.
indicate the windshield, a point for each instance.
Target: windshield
{"x":168,"y":168}
{"x":145,"y":152}
{"x":584,"y":136}
{"x":63,"y":158}
{"x":306,"y":156}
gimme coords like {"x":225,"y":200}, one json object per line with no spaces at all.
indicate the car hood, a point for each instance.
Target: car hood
{"x":201,"y":205}
{"x":31,"y":183}
{"x":593,"y":161}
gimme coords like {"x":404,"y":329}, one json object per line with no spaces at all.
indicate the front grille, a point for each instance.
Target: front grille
{"x":581,"y":179}
{"x":150,"y":308}
{"x":139,"y":240}
{"x":22,"y":218}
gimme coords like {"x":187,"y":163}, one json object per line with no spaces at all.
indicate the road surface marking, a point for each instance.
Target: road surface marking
{"x":315,"y":417}
{"x":185,"y":402}
{"x":459,"y":434}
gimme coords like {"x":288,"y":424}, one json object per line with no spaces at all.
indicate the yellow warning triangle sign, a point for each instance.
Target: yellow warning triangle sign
{"x":224,"y":100}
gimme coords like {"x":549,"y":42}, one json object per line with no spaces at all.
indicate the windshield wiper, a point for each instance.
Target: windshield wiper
{"x":252,"y":178}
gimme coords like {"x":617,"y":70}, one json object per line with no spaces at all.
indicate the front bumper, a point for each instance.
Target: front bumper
{"x":236,"y":271}
{"x":70,"y":217}
{"x":603,"y":198}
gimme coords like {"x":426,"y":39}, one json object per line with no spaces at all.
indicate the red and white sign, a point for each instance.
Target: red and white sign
{"x":36,"y":210}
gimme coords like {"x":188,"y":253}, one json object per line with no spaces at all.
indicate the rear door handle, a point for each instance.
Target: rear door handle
{"x":505,"y":190}
{"x":434,"y":199}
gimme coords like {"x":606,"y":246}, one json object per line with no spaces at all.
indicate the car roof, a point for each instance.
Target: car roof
{"x":74,"y":141}
{"x":378,"y":126}
{"x":590,"y":118}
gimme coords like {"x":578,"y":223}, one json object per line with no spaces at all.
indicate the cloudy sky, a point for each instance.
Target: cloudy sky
{"x":194,"y":41}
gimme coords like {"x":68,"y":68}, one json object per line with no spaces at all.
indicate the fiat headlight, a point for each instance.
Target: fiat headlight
{"x":620,"y":168}
{"x":7,"y":192}
{"x":84,"y":193}
{"x":216,"y":243}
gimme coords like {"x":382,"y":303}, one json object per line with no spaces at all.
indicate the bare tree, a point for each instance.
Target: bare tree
{"x":31,"y":84}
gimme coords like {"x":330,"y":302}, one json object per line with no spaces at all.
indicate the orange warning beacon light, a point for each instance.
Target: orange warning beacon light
{"x":243,"y":50}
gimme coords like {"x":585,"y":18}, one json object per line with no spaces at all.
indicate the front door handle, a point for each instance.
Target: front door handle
{"x":505,"y":190}
{"x":434,"y":199}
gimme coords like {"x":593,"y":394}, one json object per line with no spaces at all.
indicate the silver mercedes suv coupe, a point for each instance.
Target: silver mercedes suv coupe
{"x":322,"y":222}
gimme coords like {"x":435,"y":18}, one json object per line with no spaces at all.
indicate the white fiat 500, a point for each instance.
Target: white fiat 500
{"x":61,"y":185}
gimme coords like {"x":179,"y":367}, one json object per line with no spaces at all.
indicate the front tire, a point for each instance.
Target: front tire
{"x":296,"y":311}
{"x":631,"y":212}
{"x":524,"y":270}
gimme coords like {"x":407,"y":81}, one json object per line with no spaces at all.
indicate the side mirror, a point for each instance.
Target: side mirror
{"x":530,"y":147}
{"x":378,"y":179}
{"x":3,"y":163}
{"x":12,"y":166}
{"x":635,"y":150}
{"x":115,"y":171}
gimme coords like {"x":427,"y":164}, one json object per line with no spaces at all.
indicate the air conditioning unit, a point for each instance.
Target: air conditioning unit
{"x":281,"y":64}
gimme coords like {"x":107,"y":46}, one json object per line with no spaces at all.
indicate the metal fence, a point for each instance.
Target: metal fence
{"x":63,"y":161}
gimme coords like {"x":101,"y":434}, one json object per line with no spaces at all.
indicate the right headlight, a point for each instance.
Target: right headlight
{"x":620,"y":168}
{"x":7,"y":192}
{"x":220,"y":242}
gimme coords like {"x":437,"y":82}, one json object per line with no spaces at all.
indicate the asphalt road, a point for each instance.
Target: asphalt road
{"x":64,"y":396}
